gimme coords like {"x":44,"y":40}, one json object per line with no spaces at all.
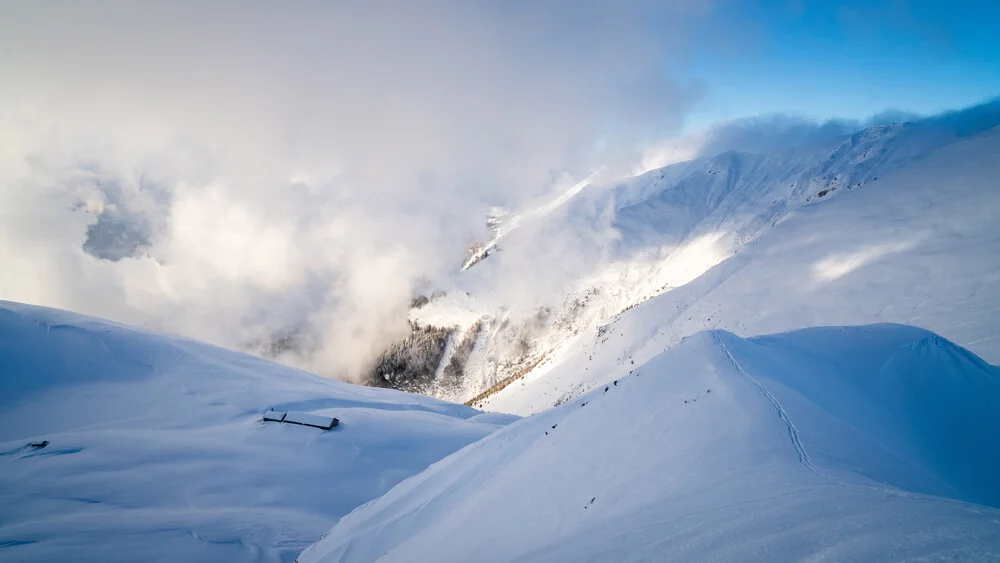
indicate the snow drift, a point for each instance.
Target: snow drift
{"x":865,"y":443}
{"x":156,"y":450}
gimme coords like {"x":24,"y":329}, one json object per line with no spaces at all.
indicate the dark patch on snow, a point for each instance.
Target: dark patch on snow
{"x":411,"y":363}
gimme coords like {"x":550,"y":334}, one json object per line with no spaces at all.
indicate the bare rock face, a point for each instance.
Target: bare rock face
{"x":411,"y":364}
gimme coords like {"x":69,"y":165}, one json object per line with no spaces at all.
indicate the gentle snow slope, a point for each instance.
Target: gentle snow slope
{"x":156,"y":450}
{"x":824,"y":443}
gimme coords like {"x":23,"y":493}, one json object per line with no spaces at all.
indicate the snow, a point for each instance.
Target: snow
{"x":505,"y":223}
{"x":695,"y":416}
{"x":841,"y":443}
{"x":274,"y":416}
{"x":893,"y":223}
{"x":914,"y":247}
{"x":157,"y":449}
{"x":674,"y":417}
{"x":308,"y":419}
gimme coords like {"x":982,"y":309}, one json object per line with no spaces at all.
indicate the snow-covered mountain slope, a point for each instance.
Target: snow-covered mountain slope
{"x":919,"y":246}
{"x":895,"y":223}
{"x":843,"y":444}
{"x":916,"y":247}
{"x":156,"y":450}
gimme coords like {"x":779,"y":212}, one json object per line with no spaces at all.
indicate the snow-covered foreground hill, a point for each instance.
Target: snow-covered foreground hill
{"x":873,"y":443}
{"x":843,"y":443}
{"x":156,"y":450}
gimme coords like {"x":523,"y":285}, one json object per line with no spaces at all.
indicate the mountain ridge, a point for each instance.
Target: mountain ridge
{"x":663,"y":238}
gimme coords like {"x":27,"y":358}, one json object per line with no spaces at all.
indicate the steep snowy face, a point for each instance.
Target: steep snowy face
{"x":124,"y":445}
{"x":897,"y":198}
{"x":855,"y":443}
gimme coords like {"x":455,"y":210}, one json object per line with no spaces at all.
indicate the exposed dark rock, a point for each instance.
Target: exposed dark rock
{"x":410,"y":364}
{"x":421,"y":300}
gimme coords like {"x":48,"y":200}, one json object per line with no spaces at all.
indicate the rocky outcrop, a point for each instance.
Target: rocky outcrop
{"x":411,"y":364}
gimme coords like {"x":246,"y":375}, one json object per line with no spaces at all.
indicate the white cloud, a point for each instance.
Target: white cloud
{"x":839,"y":265}
{"x":269,"y":169}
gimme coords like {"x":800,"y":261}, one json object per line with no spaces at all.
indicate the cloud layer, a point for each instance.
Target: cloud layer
{"x":284,"y":179}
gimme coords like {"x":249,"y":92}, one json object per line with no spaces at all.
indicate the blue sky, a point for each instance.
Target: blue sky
{"x":846,"y":59}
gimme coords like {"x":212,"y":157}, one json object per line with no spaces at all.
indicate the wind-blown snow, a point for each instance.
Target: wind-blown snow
{"x":157,"y":452}
{"x":866,"y":443}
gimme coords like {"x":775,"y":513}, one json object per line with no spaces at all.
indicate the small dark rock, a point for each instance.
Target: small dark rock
{"x":39,"y":445}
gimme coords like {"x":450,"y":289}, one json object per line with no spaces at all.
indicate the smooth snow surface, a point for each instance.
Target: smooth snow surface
{"x":837,"y":444}
{"x":157,"y":451}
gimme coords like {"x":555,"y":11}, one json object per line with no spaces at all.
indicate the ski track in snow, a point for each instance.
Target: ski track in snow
{"x":793,"y":432}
